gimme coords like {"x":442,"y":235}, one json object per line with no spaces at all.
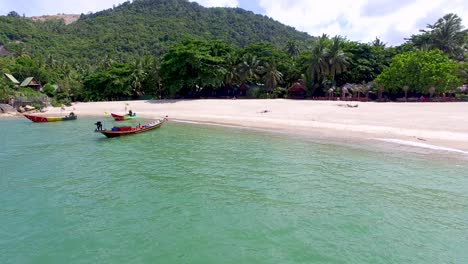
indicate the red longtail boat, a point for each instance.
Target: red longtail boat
{"x":128,"y":130}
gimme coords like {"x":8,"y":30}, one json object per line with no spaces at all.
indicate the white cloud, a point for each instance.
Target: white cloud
{"x":217,"y":3}
{"x":363,"y":20}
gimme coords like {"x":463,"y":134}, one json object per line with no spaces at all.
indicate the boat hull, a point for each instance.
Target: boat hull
{"x":121,"y":117}
{"x":43,"y":119}
{"x":133,"y":131}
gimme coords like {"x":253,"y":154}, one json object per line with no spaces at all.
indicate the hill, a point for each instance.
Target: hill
{"x":138,"y":28}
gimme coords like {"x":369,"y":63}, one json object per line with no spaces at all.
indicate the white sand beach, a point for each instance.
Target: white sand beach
{"x":435,"y":124}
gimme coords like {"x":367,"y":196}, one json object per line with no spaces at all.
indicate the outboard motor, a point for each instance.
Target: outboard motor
{"x":98,"y":125}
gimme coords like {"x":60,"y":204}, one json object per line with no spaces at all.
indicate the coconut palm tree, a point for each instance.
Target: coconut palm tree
{"x":292,"y":48}
{"x":378,"y":43}
{"x":319,"y":66}
{"x":336,"y":58}
{"x":231,"y":68}
{"x":448,"y":35}
{"x":137,"y":76}
{"x":248,"y":69}
{"x":271,"y":76}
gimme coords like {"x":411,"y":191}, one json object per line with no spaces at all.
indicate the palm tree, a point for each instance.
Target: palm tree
{"x":271,"y":76}
{"x":378,"y":43}
{"x":319,"y":65}
{"x":448,"y":35}
{"x":248,"y":69}
{"x":231,"y":68}
{"x":336,"y":58}
{"x":137,"y":76}
{"x":292,"y":48}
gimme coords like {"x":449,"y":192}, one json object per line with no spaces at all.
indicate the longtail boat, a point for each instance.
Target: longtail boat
{"x":122,"y":117}
{"x":128,"y":130}
{"x":43,"y":119}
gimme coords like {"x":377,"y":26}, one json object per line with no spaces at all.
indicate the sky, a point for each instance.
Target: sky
{"x":361,"y":20}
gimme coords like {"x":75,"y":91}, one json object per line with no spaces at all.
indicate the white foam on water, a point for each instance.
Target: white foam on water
{"x":205,"y":123}
{"x":420,"y":145}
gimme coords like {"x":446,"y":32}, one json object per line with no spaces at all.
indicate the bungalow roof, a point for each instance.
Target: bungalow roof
{"x":11,"y":78}
{"x":297,"y":87}
{"x":26,"y":81}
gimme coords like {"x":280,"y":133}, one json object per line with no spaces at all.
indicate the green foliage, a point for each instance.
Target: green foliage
{"x":279,"y":92}
{"x":194,"y":64}
{"x":6,"y":90}
{"x":37,"y":105}
{"x":366,"y":61}
{"x":60,"y":102}
{"x":139,"y":28}
{"x":49,"y":90}
{"x":463,"y":97}
{"x":28,"y":92}
{"x":256,"y":93}
{"x":420,"y":70}
{"x":108,"y":84}
{"x":13,"y":14}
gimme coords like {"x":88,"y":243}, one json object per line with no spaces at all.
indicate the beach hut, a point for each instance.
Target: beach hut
{"x":32,"y":83}
{"x":297,"y":91}
{"x":11,"y":78}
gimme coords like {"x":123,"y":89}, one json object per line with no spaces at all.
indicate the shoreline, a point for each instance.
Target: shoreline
{"x":436,"y":126}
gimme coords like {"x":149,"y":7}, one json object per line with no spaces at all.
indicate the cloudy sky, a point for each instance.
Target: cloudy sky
{"x":362,"y":20}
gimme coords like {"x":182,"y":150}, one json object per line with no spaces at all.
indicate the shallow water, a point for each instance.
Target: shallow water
{"x":194,"y":194}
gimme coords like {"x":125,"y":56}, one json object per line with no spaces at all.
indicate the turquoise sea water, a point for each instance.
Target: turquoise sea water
{"x":195,"y":194}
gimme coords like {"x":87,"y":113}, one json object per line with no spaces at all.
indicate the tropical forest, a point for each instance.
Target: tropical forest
{"x":164,"y":49}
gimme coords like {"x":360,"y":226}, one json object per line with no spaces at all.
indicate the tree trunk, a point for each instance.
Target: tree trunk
{"x":406,"y":96}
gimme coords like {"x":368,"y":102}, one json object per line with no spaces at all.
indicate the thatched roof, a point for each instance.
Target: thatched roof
{"x":297,"y":87}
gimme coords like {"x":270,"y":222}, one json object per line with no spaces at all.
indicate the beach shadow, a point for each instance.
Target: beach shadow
{"x":167,"y":101}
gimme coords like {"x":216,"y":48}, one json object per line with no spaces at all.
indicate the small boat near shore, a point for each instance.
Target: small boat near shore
{"x":123,"y":117}
{"x":44,"y":119}
{"x":128,"y":130}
